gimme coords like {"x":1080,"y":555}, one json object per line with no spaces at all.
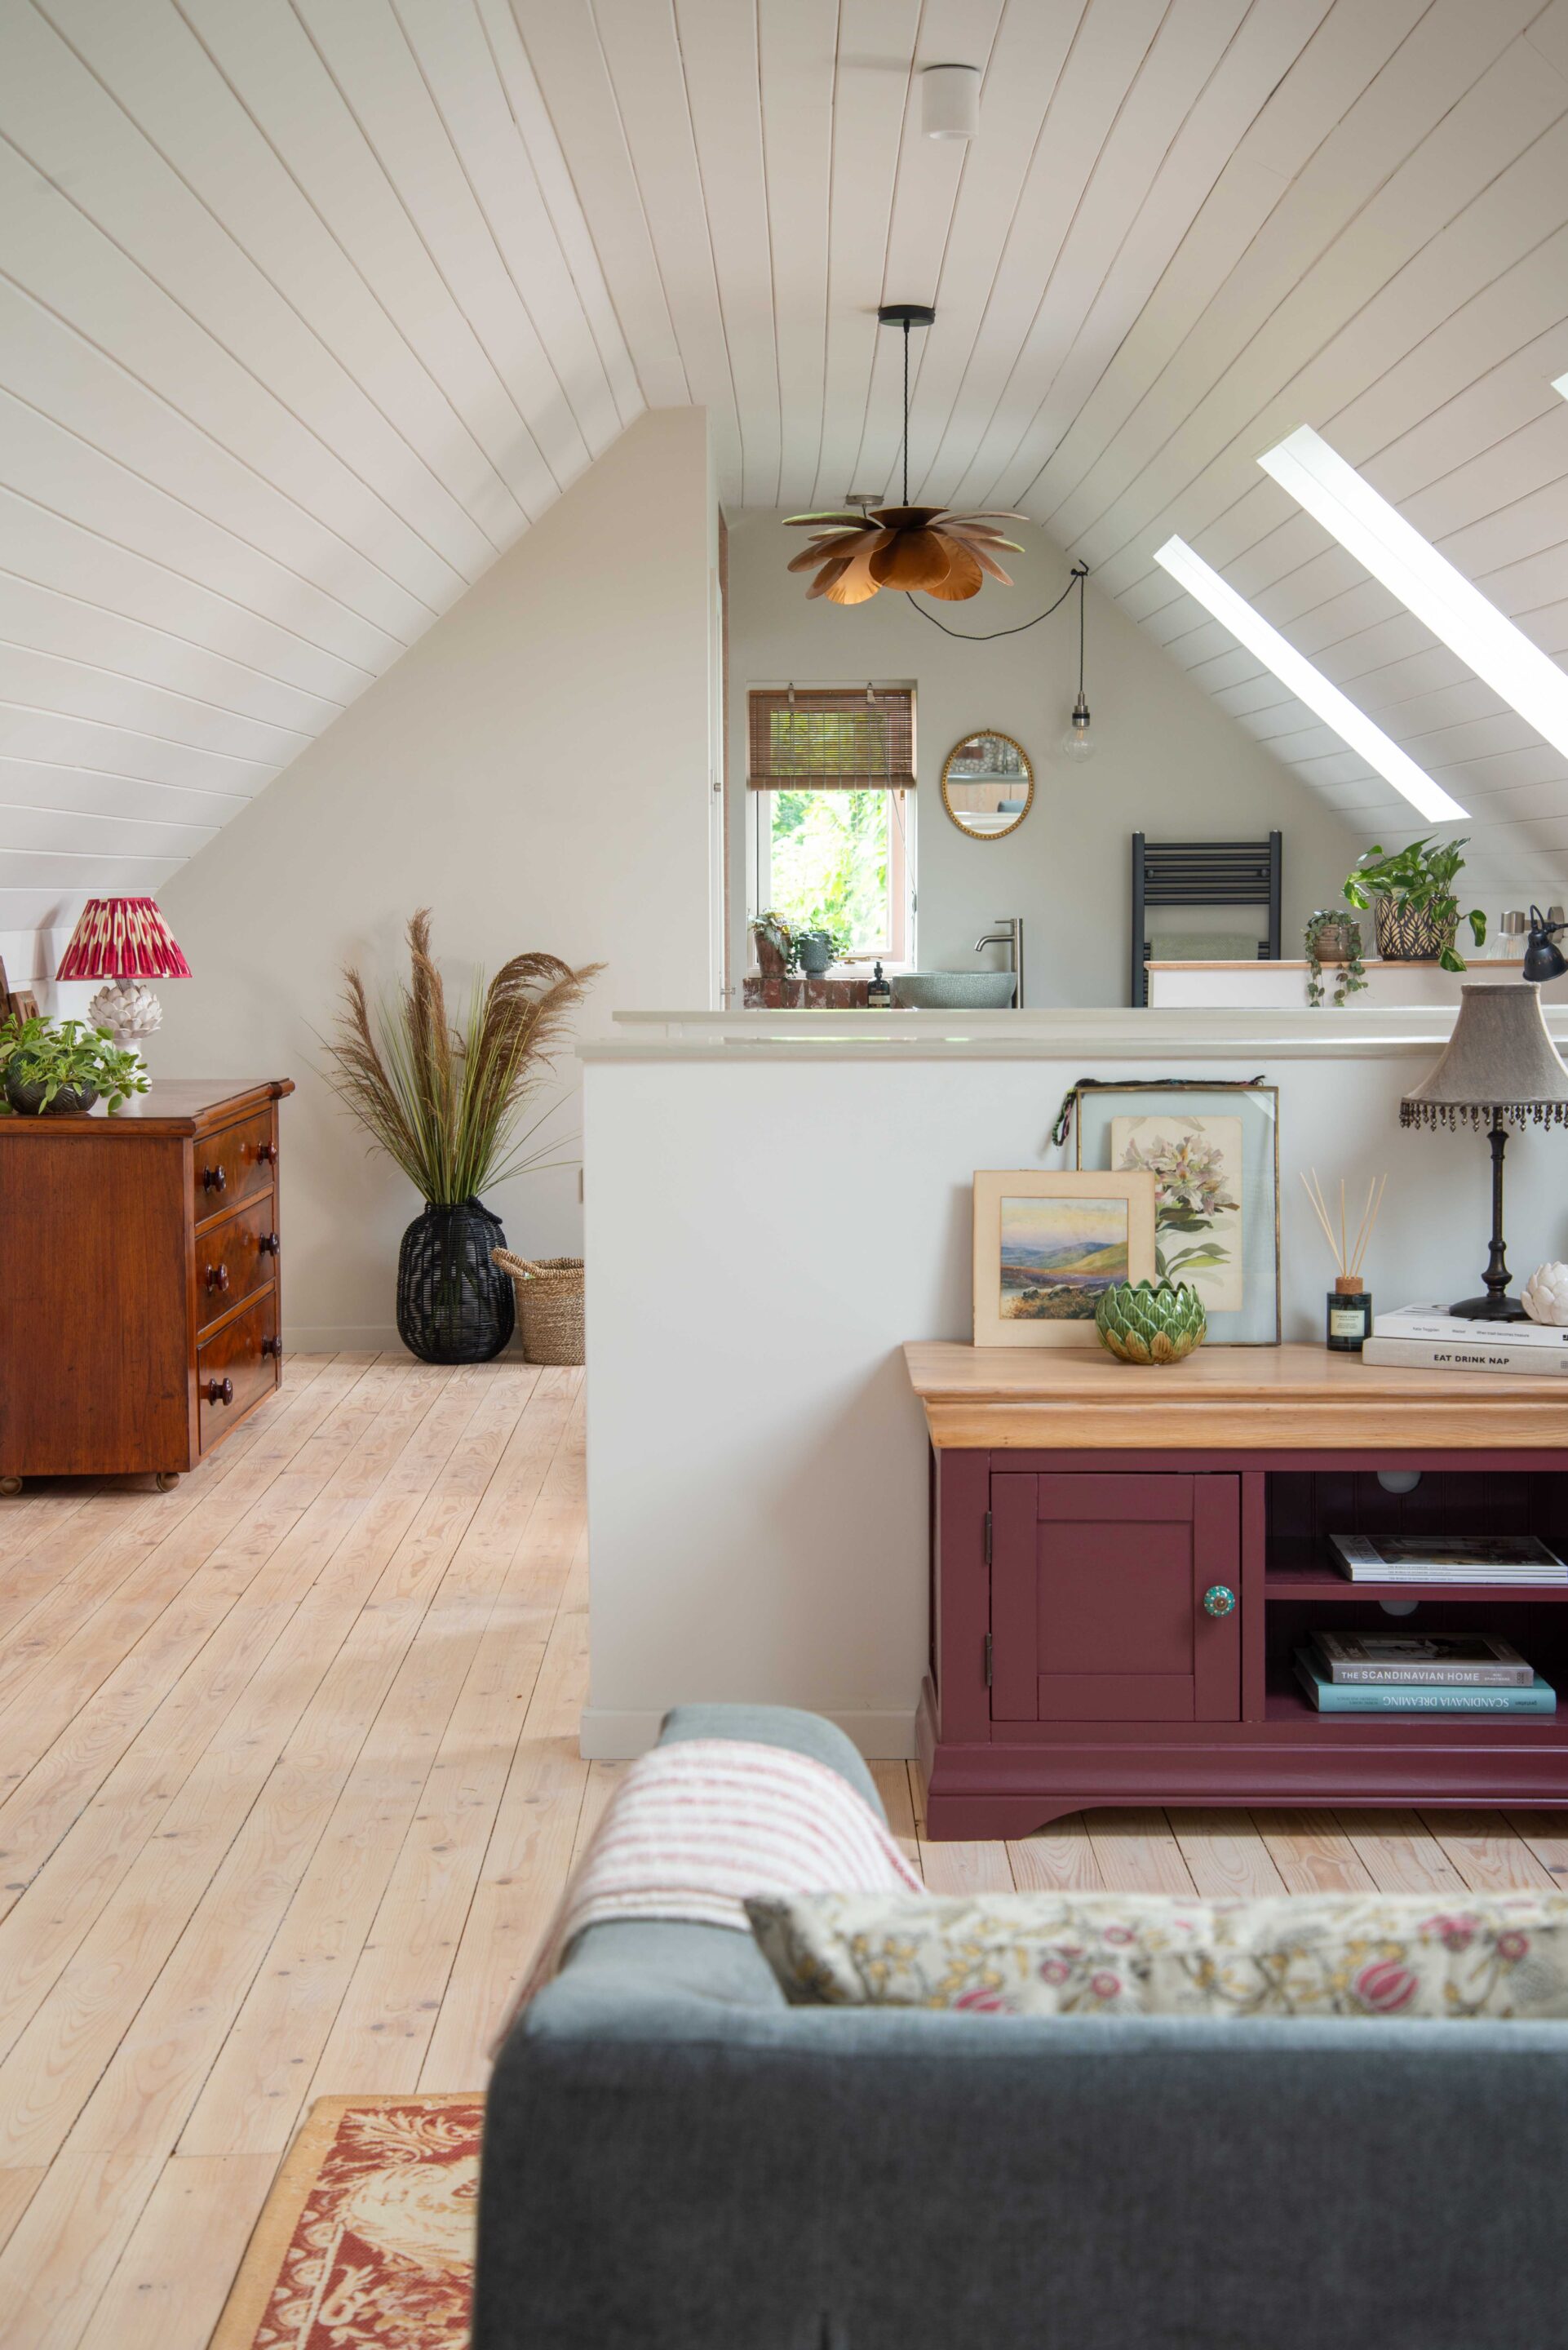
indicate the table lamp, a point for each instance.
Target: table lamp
{"x":124,"y":941}
{"x":1500,"y":1064}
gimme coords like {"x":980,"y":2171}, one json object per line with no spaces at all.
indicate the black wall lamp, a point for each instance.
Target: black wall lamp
{"x":1543,"y":958}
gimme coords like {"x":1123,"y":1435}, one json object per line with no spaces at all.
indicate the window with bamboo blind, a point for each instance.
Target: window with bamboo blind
{"x":829,"y":771}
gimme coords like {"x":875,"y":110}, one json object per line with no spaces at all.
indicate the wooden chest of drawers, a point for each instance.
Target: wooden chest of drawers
{"x":139,"y":1280}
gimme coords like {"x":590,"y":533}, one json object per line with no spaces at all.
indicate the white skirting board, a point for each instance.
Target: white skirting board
{"x":608,"y":1737}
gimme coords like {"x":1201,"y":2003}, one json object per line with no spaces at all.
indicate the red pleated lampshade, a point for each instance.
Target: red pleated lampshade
{"x":122,"y":938}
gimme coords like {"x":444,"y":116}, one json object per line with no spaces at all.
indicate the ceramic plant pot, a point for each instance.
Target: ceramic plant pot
{"x":816,"y":953}
{"x":1338,"y":941}
{"x":1405,"y":934}
{"x":71,"y":1101}
{"x":1150,"y":1321}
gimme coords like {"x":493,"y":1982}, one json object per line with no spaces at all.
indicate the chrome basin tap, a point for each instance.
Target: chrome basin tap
{"x":1011,"y":937}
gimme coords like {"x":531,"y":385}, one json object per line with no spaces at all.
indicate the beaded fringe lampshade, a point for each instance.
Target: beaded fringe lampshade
{"x":1500,"y":1064}
{"x":124,"y":941}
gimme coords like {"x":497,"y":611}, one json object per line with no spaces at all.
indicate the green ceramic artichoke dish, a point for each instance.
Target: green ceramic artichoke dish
{"x":1150,"y":1321}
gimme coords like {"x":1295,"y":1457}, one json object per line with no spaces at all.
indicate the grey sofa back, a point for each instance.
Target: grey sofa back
{"x":675,"y":2159}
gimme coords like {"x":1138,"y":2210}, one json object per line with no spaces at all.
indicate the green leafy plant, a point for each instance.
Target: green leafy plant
{"x":779,"y":934}
{"x":1350,"y":977}
{"x":446,"y":1101}
{"x":1421,"y":878}
{"x":819,"y":926}
{"x":58,"y":1054}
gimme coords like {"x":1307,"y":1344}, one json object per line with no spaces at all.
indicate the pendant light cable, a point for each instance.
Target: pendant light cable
{"x":1079,"y":573}
{"x":905,"y":411}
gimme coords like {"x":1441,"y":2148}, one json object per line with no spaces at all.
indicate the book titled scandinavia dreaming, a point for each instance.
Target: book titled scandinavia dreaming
{"x":1424,"y":1697}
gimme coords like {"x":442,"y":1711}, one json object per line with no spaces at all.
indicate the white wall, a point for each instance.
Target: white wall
{"x":765,"y":1234}
{"x":535,"y":769}
{"x":1169,"y":761}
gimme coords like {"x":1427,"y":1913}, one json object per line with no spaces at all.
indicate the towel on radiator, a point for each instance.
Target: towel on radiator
{"x":695,"y":1827}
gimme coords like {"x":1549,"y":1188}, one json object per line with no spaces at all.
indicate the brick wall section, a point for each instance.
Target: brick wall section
{"x":801,"y":995}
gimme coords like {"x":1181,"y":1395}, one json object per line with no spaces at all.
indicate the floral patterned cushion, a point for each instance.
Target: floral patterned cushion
{"x":1335,"y":1954}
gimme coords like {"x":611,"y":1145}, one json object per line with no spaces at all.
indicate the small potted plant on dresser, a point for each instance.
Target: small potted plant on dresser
{"x":61,"y":1068}
{"x":1417,"y":911}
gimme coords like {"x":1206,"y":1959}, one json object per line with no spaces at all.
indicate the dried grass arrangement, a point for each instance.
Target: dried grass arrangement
{"x":447,"y":1101}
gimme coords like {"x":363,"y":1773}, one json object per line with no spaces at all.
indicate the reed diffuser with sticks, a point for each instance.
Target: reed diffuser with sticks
{"x":1349,"y":1301}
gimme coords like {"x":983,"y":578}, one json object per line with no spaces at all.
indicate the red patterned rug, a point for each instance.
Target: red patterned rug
{"x":366,"y":2242}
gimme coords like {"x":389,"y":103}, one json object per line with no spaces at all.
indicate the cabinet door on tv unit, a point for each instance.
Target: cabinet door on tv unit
{"x":1115,"y":1598}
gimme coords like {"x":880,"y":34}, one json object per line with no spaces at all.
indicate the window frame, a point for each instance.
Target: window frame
{"x":898,"y":952}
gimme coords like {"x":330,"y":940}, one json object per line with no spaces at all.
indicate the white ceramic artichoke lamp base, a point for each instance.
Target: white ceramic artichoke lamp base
{"x":1500,"y":1064}
{"x":124,"y":941}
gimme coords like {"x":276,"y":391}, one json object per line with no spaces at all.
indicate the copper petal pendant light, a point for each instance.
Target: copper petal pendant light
{"x":922,"y":550}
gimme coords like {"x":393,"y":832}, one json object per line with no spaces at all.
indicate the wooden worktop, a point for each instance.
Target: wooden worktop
{"x":1242,"y":1398}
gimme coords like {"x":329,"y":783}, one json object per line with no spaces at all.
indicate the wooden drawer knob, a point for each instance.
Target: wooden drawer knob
{"x":220,"y":1390}
{"x":214,"y":1179}
{"x":1219,"y":1599}
{"x":273,"y":1346}
{"x":217,"y":1276}
{"x":266,"y":1154}
{"x":267,"y":1243}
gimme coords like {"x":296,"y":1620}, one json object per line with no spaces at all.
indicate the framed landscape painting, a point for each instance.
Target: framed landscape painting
{"x":1048,"y":1245}
{"x":1213,"y":1152}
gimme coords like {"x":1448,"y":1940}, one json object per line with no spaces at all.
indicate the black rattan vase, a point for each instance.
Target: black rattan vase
{"x":453,"y":1305}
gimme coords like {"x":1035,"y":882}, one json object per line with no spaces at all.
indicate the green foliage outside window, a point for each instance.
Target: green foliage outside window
{"x":828,"y":854}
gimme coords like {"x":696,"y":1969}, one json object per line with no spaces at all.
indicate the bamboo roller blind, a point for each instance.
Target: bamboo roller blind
{"x":832,"y":739}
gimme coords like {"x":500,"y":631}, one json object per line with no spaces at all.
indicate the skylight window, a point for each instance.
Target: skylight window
{"x":1308,"y":685}
{"x":1442,"y":598}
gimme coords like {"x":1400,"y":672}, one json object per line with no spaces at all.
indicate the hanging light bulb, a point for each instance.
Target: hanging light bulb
{"x":1078,"y":744}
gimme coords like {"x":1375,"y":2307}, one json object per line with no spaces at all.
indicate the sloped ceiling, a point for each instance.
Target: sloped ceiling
{"x":306,"y":311}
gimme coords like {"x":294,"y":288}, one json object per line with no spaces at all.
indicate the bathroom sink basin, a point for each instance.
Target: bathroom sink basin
{"x":952,"y":991}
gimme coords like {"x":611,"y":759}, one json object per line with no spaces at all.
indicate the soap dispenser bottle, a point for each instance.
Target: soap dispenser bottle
{"x":878,"y":994}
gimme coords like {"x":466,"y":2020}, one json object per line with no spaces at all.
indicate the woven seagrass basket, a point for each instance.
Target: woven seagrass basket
{"x":549,"y":1304}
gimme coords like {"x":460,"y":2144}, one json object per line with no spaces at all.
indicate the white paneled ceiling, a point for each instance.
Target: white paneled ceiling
{"x":307,"y":308}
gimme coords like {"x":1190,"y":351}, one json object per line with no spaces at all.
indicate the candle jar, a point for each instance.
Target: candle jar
{"x":1349,"y":1316}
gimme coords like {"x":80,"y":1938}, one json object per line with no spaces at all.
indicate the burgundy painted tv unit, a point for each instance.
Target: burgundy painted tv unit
{"x":1125,"y":1561}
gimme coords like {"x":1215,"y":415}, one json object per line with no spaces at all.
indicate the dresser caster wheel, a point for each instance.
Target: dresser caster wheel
{"x":10,"y":1485}
{"x":166,"y":1480}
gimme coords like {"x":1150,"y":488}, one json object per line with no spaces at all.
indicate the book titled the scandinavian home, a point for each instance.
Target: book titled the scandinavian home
{"x":1447,"y":1558}
{"x":1424,"y":1697}
{"x":1457,"y":1659}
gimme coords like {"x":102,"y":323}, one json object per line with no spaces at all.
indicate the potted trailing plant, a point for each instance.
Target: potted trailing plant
{"x":778,"y":950}
{"x":446,"y":1102}
{"x":59,"y":1068}
{"x":1417,"y":911}
{"x":1333,"y":937}
{"x":819,"y":946}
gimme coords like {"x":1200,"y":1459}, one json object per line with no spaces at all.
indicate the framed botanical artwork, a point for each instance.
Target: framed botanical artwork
{"x":1047,"y":1244}
{"x":1213,"y":1150}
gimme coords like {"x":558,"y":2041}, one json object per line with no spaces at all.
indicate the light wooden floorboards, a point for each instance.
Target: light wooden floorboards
{"x":289,"y":1784}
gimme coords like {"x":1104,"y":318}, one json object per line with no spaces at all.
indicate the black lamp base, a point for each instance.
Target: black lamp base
{"x":1490,"y":1309}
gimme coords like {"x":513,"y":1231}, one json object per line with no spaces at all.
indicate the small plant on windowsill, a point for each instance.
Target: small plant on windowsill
{"x":818,"y":946}
{"x":777,"y":943}
{"x":59,"y":1068}
{"x":1333,"y":937}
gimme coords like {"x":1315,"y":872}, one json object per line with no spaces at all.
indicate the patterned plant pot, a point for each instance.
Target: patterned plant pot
{"x":453,"y":1305}
{"x":1337,"y":941}
{"x":1150,"y":1321}
{"x":71,"y":1101}
{"x":816,"y":953}
{"x":1405,"y":934}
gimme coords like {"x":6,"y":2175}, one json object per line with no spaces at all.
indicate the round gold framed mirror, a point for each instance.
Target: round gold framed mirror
{"x":988,"y":785}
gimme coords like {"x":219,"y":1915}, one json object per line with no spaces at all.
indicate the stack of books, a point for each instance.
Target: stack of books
{"x":1447,"y":1558}
{"x":1430,"y":1338}
{"x":1435,"y":1672}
